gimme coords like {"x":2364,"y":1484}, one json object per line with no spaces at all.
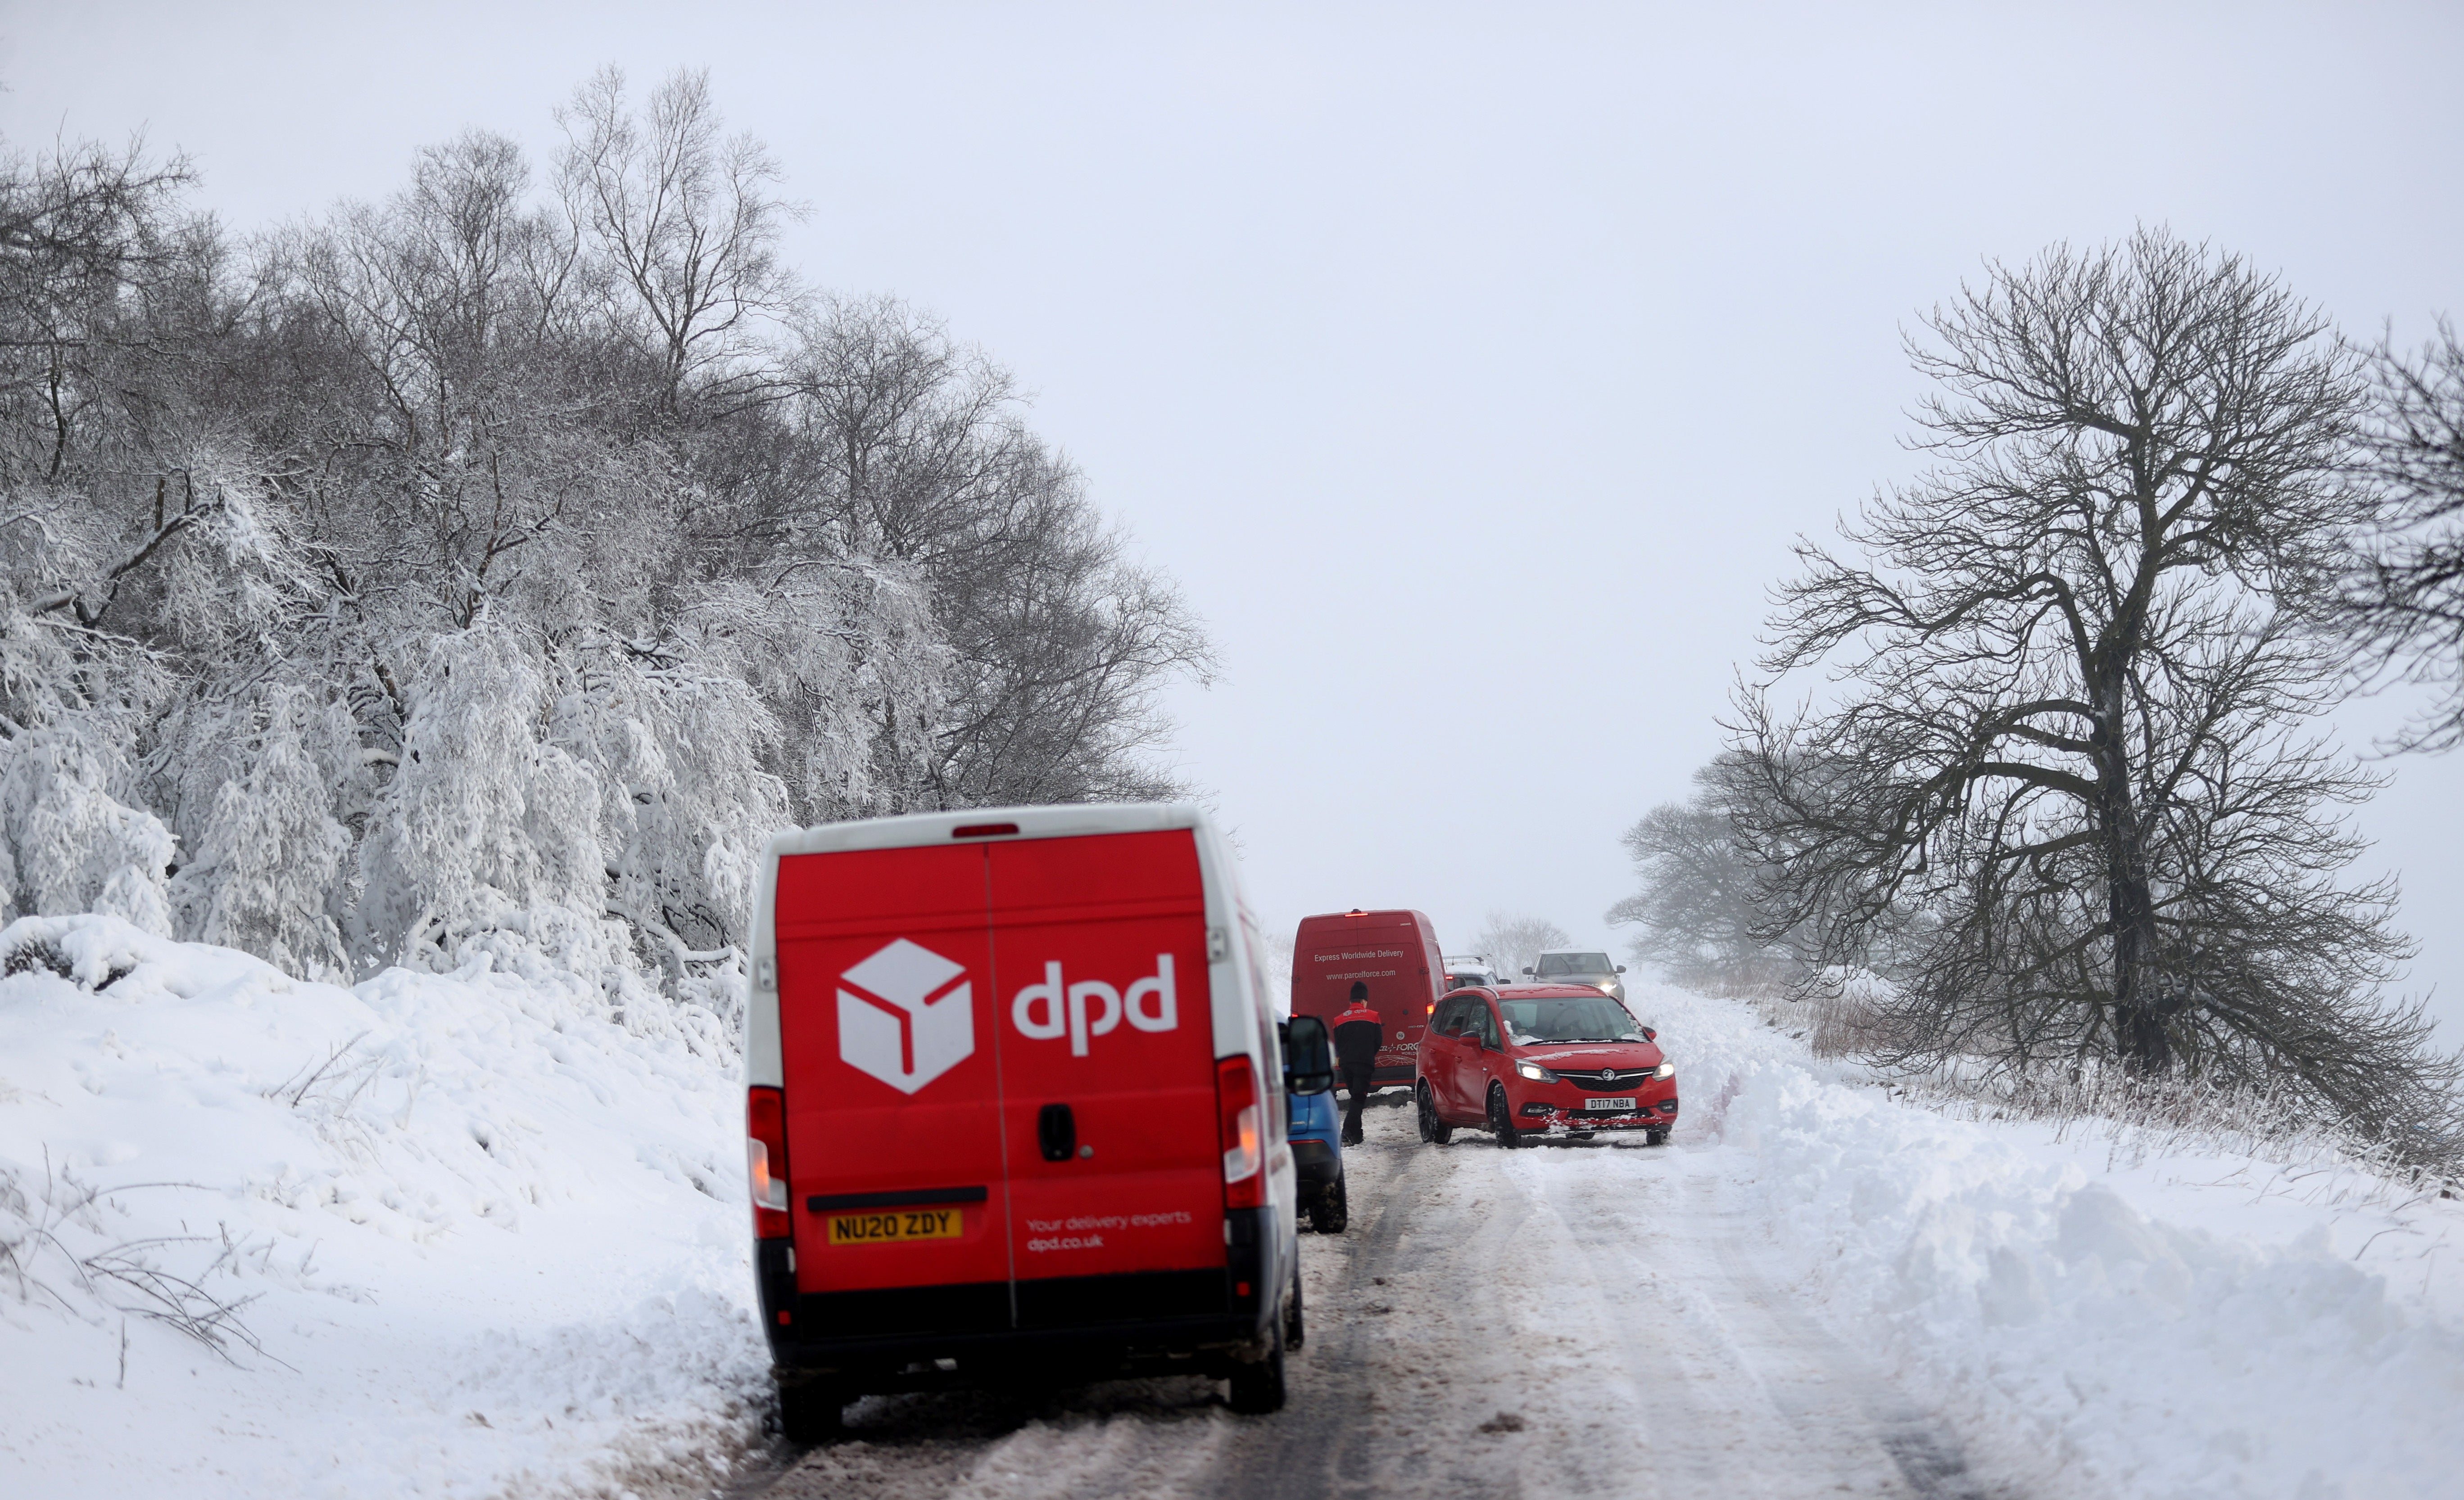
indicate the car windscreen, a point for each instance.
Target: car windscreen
{"x":1576,"y":964}
{"x":1584,"y":1018}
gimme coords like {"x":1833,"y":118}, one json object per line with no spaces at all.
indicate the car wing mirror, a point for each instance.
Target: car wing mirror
{"x":1649,"y":1035}
{"x":1308,"y":1055}
{"x":1621,"y":968}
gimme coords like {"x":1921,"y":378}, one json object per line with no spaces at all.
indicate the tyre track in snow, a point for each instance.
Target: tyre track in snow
{"x":1569,"y":1320}
{"x":1382,"y":1402}
{"x":1772,"y":1402}
{"x":1600,"y":1301}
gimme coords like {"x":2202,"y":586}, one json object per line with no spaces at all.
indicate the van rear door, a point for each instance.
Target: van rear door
{"x":1394,"y":955}
{"x":1115,"y":1168}
{"x":887,"y":1033}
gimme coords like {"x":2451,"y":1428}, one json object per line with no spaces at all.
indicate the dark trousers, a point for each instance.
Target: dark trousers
{"x":1355,"y":1083}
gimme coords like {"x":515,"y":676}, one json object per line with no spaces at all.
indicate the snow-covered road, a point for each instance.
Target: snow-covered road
{"x":466,"y":1237}
{"x":1567,"y":1320}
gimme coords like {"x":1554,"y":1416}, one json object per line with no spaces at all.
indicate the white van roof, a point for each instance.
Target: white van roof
{"x":1033,"y":823}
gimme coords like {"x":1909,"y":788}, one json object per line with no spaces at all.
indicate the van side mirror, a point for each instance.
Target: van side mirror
{"x":1621,"y":968}
{"x":1308,"y":1055}
{"x":1527,"y":971}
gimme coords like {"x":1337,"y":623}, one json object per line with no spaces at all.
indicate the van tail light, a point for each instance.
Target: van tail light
{"x":1244,"y":1141}
{"x":765,"y":1162}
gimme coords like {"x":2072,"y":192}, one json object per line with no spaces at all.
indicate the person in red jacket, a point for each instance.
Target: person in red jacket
{"x":1357,"y":1035}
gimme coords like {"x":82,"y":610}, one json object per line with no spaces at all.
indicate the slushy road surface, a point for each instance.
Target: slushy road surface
{"x":1569,"y":1320}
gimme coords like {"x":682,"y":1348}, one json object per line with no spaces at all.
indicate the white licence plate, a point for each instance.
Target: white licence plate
{"x":1626,"y":1103}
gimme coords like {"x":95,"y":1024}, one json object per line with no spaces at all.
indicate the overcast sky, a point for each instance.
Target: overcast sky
{"x":1472,"y":370}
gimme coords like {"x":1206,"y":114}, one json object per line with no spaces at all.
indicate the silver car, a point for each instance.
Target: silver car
{"x":1571,"y":967}
{"x":1466,"y":970}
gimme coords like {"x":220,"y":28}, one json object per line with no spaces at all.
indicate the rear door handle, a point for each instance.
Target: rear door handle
{"x":1056,"y":1132}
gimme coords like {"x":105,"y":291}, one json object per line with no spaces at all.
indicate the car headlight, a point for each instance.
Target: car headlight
{"x":1534,"y":1072}
{"x":1665,"y":1070}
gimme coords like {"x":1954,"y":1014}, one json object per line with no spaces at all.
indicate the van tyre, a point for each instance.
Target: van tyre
{"x":1332,"y":1209}
{"x":812,"y":1411}
{"x":1433,"y":1129}
{"x":1258,"y":1386}
{"x":1501,"y":1118}
{"x":1295,"y":1322}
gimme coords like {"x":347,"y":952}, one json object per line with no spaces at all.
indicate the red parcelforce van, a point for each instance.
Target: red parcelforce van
{"x":1395,"y":954}
{"x":1016,"y":1107}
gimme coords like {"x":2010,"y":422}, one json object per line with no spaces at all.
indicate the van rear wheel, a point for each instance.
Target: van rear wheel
{"x":1433,"y":1129}
{"x":812,"y":1411}
{"x":1258,"y":1388}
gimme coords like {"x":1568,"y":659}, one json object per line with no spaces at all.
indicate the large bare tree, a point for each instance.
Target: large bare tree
{"x":2072,"y":703}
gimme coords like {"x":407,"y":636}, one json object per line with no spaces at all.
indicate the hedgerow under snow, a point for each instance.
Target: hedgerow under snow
{"x":433,"y":1235}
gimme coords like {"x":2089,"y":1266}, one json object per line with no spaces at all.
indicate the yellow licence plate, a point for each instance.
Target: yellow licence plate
{"x":902,"y":1223}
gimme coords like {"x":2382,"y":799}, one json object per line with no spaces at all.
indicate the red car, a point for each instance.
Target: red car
{"x":1523,"y":1060}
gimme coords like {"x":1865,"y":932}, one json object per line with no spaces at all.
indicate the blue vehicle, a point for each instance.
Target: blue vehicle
{"x":1316,"y":1132}
{"x":1315,"y":1128}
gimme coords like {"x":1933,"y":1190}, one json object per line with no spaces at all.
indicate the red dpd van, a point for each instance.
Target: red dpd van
{"x":1015,"y":1106}
{"x":1395,"y":954}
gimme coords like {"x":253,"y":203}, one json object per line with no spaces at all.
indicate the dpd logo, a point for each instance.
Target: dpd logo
{"x":900,"y":1018}
{"x":1091,"y":1007}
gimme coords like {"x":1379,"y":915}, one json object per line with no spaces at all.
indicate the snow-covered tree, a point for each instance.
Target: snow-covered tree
{"x":267,"y":866}
{"x":482,"y":573}
{"x":66,"y":843}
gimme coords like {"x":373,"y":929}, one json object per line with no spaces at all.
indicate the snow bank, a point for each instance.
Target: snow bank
{"x":435,"y":1235}
{"x":2095,"y":1324}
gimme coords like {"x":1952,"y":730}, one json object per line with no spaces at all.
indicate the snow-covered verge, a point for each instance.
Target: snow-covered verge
{"x":435,"y":1235}
{"x":2094,"y":1320}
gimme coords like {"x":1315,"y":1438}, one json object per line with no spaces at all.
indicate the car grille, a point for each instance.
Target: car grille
{"x":1601,"y":1078}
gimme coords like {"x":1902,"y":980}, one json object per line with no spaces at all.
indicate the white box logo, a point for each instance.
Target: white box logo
{"x":902,"y":1020}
